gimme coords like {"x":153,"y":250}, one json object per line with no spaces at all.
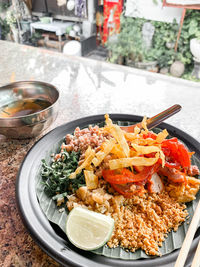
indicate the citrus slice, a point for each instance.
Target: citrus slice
{"x":88,"y":230}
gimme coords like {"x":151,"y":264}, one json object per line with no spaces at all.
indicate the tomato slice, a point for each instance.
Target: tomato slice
{"x":183,"y":155}
{"x":126,"y":176}
{"x":176,"y":153}
{"x":129,"y":189}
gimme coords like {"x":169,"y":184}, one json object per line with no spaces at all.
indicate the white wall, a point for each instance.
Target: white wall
{"x":149,"y":10}
{"x":184,"y":2}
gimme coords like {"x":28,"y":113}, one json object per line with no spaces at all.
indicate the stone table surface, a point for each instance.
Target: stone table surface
{"x":87,"y":87}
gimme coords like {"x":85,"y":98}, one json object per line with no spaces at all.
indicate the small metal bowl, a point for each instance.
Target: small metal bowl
{"x":31,"y":125}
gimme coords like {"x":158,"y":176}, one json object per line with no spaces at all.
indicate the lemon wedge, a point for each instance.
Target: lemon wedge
{"x":88,"y":230}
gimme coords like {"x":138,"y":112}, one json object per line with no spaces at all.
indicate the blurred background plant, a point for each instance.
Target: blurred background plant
{"x":4,"y":29}
{"x":128,"y":44}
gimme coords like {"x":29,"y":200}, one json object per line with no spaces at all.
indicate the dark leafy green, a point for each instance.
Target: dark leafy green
{"x":56,"y":175}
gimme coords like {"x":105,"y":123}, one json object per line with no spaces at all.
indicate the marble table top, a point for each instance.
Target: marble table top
{"x":87,"y":87}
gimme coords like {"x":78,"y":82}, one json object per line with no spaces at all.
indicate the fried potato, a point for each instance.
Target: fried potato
{"x":131,"y":136}
{"x":146,"y":142}
{"x":118,"y":134}
{"x":89,"y":167}
{"x":106,"y":147}
{"x":135,"y":161}
{"x":91,"y":179}
{"x":161,"y":136}
{"x":116,"y":150}
{"x":144,"y":124}
{"x":162,"y":156}
{"x":137,"y":130}
{"x":142,"y":150}
{"x":90,"y":154}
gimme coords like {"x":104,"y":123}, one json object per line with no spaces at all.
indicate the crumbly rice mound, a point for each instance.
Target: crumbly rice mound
{"x":143,"y":222}
{"x":91,"y":136}
{"x":140,"y":222}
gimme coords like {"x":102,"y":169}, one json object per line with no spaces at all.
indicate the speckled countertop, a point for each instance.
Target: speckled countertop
{"x":87,"y":87}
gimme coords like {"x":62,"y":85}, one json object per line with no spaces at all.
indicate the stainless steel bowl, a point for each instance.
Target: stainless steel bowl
{"x":31,"y":125}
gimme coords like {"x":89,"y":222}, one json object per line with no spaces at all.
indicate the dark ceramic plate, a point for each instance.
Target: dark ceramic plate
{"x":48,"y":236}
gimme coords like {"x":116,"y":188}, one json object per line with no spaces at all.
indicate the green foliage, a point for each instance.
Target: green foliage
{"x":129,"y":43}
{"x":190,"y":30}
{"x":4,"y":6}
{"x":165,"y":33}
{"x":11,"y":18}
{"x":35,"y":37}
{"x":56,"y":175}
{"x":5,"y":29}
{"x":190,"y":77}
{"x":129,"y":40}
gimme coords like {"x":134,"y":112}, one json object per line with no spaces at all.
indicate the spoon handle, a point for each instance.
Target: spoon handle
{"x":157,"y":119}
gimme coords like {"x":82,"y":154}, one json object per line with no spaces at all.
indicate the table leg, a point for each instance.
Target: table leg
{"x":32,"y":31}
{"x":60,"y":42}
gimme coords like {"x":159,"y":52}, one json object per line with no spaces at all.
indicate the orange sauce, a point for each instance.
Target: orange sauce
{"x":23,"y":107}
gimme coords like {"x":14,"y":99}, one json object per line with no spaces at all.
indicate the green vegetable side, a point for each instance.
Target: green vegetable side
{"x":56,"y":175}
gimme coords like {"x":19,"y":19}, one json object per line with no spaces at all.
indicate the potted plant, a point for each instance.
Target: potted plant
{"x":4,"y":29}
{"x":12,"y":22}
{"x":195,"y":47}
{"x":36,"y":36}
{"x":194,"y":32}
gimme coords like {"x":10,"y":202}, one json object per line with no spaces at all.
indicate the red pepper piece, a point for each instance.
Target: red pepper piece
{"x":126,"y":176}
{"x":176,"y":152}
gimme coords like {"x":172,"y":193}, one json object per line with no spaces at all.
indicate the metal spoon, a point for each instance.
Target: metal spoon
{"x":155,"y":120}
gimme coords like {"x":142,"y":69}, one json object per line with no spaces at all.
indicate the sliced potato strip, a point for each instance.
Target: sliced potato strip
{"x":131,"y":136}
{"x":162,"y":156}
{"x":142,"y":150}
{"x":135,"y":161}
{"x":118,"y":134}
{"x":161,"y":136}
{"x":144,"y":124}
{"x":116,"y":150}
{"x":106,"y":147}
{"x":108,"y":120}
{"x":146,"y":142}
{"x":89,"y":167}
{"x":133,"y":153}
{"x":91,"y":179}
{"x":87,"y":161}
{"x":136,"y":130}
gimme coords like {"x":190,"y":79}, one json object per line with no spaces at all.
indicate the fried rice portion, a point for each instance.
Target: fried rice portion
{"x":141,"y":222}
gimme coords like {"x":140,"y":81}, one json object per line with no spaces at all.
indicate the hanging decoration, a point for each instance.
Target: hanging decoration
{"x":81,"y":8}
{"x":112,"y":12}
{"x":70,"y":5}
{"x":61,"y":2}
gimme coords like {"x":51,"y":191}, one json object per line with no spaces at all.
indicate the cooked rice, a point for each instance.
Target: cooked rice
{"x":140,"y":222}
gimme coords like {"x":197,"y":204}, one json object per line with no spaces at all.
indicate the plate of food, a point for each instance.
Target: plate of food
{"x":91,"y":193}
